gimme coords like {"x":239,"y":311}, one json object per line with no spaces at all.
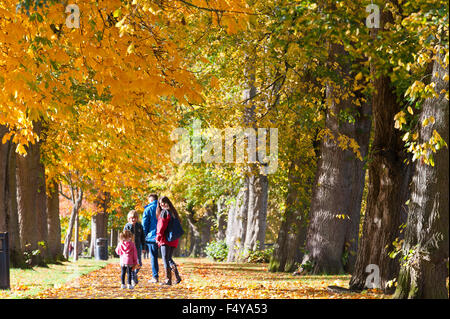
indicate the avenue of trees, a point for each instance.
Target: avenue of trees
{"x":88,"y":114}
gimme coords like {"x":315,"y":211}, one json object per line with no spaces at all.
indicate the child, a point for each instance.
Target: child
{"x":128,"y":256}
{"x":135,"y":227}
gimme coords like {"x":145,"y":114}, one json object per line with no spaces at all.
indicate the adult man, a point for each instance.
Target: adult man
{"x":149,"y":222}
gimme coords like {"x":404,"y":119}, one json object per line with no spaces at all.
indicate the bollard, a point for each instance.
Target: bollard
{"x":101,"y":249}
{"x":4,"y":261}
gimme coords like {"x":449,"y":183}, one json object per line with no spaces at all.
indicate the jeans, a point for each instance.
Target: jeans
{"x":166,"y":255}
{"x":126,"y":270}
{"x":153,"y":252}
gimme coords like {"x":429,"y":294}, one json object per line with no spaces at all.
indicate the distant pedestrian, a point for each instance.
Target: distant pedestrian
{"x":127,"y":251}
{"x":137,"y":230}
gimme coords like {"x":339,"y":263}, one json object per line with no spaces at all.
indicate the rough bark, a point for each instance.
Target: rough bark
{"x":257,"y":213}
{"x":332,"y":235}
{"x":195,"y":236}
{"x":292,"y":234}
{"x":29,"y":179}
{"x":426,"y":244}
{"x":54,"y":223}
{"x":41,"y":212}
{"x":388,"y":187}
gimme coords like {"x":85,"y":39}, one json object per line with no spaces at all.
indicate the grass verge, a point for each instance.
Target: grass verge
{"x":26,"y":283}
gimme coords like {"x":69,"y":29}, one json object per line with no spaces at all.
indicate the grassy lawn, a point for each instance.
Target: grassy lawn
{"x":25,"y":283}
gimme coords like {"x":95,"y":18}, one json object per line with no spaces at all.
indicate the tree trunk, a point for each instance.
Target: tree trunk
{"x":99,"y":224}
{"x":388,"y":189}
{"x":77,"y":201}
{"x":336,"y":203}
{"x":200,"y":231}
{"x":221,"y":219}
{"x":257,"y":213}
{"x":9,"y":219}
{"x":41,"y":212}
{"x":237,"y":224}
{"x":54,"y":223}
{"x":291,"y":237}
{"x":29,"y":206}
{"x":195,"y":236}
{"x":99,"y":221}
{"x":76,"y":240}
{"x":248,"y":222}
{"x":387,"y":192}
{"x":4,"y":156}
{"x":206,"y":225}
{"x":424,"y":273}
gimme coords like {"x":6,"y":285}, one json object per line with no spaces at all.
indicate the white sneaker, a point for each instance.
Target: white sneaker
{"x":130,"y":286}
{"x":123,"y":286}
{"x":133,"y":283}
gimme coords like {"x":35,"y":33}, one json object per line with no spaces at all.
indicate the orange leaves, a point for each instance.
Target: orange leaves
{"x":204,"y":279}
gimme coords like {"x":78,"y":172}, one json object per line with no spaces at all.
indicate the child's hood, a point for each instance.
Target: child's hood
{"x":126,"y":246}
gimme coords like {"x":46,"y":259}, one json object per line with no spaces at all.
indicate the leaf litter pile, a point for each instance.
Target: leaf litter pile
{"x":205,"y":279}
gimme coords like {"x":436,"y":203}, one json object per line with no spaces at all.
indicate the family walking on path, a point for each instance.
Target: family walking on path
{"x":161,"y":229}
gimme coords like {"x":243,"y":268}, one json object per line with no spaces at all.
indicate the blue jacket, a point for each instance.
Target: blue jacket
{"x":149,"y":222}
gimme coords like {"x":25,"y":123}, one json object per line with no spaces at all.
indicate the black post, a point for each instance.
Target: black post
{"x":4,"y":261}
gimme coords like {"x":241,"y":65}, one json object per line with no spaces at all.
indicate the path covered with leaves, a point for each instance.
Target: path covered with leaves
{"x":205,"y":279}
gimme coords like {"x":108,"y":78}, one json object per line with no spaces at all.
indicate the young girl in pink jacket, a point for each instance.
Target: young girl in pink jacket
{"x":127,"y":251}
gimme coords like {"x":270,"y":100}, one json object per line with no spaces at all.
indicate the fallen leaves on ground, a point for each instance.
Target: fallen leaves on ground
{"x":205,"y":279}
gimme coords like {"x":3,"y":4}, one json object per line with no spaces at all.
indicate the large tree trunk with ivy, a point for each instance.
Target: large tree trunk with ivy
{"x":388,"y":188}
{"x":9,"y":220}
{"x":332,"y":237}
{"x":389,"y":178}
{"x":426,"y":245}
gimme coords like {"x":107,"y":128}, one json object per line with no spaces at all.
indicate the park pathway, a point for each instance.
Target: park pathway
{"x":204,"y":279}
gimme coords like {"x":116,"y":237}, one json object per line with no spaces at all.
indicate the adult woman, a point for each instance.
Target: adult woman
{"x":165,"y":211}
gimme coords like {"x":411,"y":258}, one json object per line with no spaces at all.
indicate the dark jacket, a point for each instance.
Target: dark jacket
{"x":149,"y":222}
{"x":138,"y":231}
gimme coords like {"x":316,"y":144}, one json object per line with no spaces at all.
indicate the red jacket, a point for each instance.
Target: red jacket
{"x":128,"y":253}
{"x":163,"y":221}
